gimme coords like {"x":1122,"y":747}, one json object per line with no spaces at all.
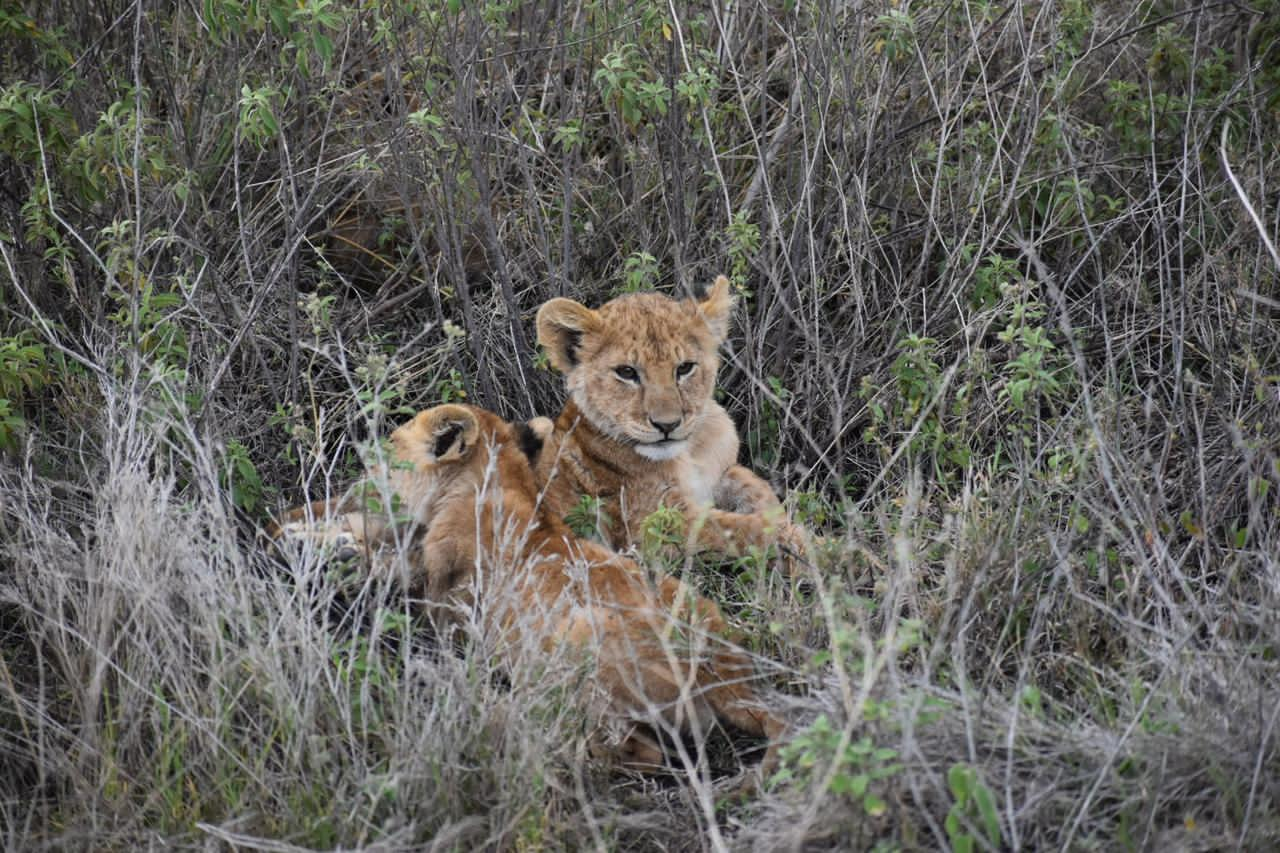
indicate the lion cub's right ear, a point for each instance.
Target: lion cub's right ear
{"x":561,"y":325}
{"x":716,"y":307}
{"x":449,"y":432}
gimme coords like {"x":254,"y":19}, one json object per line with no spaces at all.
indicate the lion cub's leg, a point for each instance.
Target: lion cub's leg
{"x":724,"y":678}
{"x":308,"y":516}
{"x":323,"y":523}
{"x":334,"y":525}
{"x":736,"y":534}
{"x":638,"y":750}
{"x":742,"y":490}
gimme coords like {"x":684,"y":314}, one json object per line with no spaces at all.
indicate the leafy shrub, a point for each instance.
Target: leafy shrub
{"x":1006,"y":337}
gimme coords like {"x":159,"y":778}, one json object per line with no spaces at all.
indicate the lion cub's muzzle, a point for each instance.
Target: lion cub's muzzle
{"x":661,"y":450}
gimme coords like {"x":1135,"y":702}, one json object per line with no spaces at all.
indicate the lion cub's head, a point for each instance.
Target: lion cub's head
{"x":433,"y":448}
{"x":641,"y":367}
{"x":449,"y":443}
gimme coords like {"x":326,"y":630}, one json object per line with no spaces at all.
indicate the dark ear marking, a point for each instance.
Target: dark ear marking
{"x":446,"y":437}
{"x":572,"y":343}
{"x":561,"y":324}
{"x":530,"y":442}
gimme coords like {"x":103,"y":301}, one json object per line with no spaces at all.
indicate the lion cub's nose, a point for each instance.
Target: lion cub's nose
{"x":665,"y":427}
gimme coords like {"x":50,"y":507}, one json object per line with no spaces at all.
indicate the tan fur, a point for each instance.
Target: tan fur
{"x":660,"y":439}
{"x":485,"y":540}
{"x":339,"y":525}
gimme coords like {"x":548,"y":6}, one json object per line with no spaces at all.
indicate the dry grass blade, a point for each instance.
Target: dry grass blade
{"x":1007,"y":336}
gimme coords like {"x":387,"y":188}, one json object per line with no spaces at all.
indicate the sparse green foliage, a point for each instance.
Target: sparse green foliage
{"x":974,"y":806}
{"x":812,"y":509}
{"x":241,"y":478}
{"x":318,"y":309}
{"x":895,"y":34}
{"x":696,"y":85}
{"x":32,"y":125}
{"x":917,"y":373}
{"x":24,"y":369}
{"x":145,"y":317}
{"x":450,"y":388}
{"x":764,"y":442}
{"x":257,"y":114}
{"x":568,"y":135}
{"x":588,"y":518}
{"x":919,"y":411}
{"x":305,"y":26}
{"x":1007,"y":335}
{"x":857,"y":769}
{"x":664,"y":533}
{"x":1033,"y":372}
{"x":743,"y":244}
{"x":627,"y":82}
{"x":639,"y":272}
{"x":430,"y":124}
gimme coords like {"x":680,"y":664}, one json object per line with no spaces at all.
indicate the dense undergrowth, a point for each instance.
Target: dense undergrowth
{"x":1007,"y":333}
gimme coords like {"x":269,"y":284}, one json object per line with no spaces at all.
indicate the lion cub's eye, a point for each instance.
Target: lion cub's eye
{"x":627,"y":373}
{"x":685,"y":368}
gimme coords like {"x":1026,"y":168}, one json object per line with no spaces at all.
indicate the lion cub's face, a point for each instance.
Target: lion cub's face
{"x":641,"y":367}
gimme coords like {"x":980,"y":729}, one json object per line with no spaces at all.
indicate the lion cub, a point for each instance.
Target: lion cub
{"x":640,"y":430}
{"x":482,"y":539}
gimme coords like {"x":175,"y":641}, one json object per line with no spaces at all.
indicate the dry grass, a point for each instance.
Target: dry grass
{"x":1007,"y":333}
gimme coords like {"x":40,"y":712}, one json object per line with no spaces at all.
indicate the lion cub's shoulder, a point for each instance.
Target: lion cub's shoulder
{"x":711,"y":453}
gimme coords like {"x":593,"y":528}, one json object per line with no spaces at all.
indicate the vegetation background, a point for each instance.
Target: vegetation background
{"x":1009,"y":333}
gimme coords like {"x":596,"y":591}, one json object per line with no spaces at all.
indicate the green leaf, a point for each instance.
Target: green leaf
{"x":855,"y":785}
{"x":279,"y":19}
{"x":959,"y":780}
{"x":323,"y":46}
{"x":1032,"y":699}
{"x":987,"y":809}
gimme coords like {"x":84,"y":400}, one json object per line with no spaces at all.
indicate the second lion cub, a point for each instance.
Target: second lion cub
{"x":479,"y":542}
{"x":640,"y":430}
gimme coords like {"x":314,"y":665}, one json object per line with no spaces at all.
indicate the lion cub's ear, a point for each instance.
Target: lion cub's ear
{"x":449,"y":432}
{"x":716,"y":307}
{"x":561,"y":325}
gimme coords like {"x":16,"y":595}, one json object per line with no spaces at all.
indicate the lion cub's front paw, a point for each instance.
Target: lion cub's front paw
{"x":793,"y":547}
{"x":335,"y":540}
{"x":345,"y":547}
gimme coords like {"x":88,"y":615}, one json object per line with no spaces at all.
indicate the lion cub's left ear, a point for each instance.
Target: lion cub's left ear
{"x":716,"y":307}
{"x":561,"y":325}
{"x":449,"y":431}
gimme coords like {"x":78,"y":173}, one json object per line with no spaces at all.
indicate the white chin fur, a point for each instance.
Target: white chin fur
{"x":660,"y":452}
